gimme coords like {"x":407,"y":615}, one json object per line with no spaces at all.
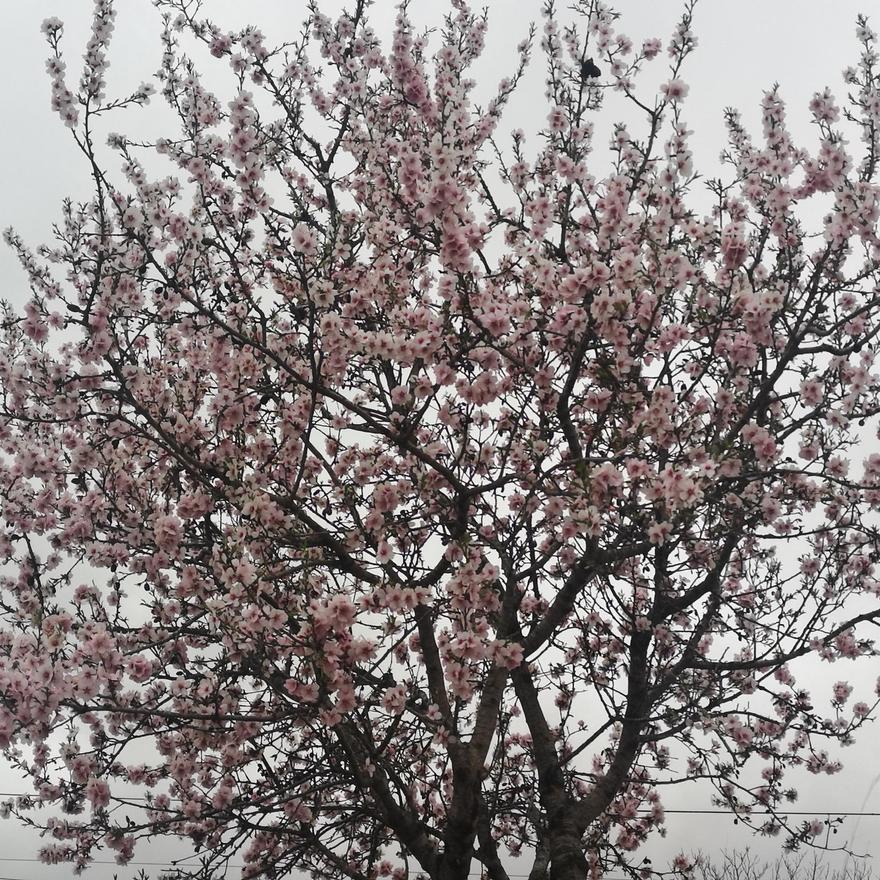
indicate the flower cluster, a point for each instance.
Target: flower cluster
{"x":369,"y":462}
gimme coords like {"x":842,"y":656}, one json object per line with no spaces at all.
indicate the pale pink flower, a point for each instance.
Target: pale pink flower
{"x":97,"y":792}
{"x":675,"y":89}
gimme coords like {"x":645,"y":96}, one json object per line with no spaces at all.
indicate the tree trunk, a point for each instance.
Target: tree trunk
{"x":567,"y":858}
{"x":461,"y":823}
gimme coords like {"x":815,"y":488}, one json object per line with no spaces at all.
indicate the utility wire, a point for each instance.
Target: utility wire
{"x":779,"y":812}
{"x":114,"y":862}
{"x":692,"y":812}
{"x":166,"y":865}
{"x":643,"y":811}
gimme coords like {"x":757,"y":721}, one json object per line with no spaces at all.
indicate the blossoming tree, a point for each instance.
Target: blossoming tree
{"x":381,"y":499}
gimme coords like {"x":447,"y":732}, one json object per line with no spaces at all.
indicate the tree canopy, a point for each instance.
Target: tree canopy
{"x":384,"y":495}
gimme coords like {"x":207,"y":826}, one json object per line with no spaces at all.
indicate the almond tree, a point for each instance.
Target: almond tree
{"x":384,"y":497}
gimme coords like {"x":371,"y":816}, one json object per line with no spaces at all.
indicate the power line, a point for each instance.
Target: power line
{"x":643,"y":811}
{"x":229,"y":867}
{"x":668,"y":812}
{"x":114,"y":862}
{"x":775,"y":813}
{"x":160,"y":864}
{"x":476,"y":876}
{"x":687,"y":812}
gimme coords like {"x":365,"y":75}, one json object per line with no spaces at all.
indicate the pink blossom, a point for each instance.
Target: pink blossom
{"x":168,"y":532}
{"x":394,"y":699}
{"x":815,"y":827}
{"x":304,"y":240}
{"x":140,"y":668}
{"x":507,"y":654}
{"x":97,"y":792}
{"x":842,"y":691}
{"x":659,"y":532}
{"x":651,"y":47}
{"x":675,"y":89}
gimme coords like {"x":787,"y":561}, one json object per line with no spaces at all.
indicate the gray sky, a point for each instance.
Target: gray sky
{"x":744,"y":47}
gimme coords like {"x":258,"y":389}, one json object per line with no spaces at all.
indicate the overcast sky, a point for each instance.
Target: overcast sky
{"x":744,"y":47}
